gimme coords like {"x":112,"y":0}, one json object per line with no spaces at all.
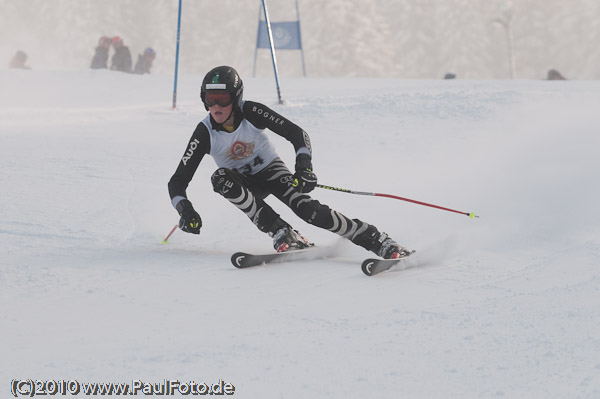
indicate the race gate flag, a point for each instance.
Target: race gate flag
{"x":286,"y":35}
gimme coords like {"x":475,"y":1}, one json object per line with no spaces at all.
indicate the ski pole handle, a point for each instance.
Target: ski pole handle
{"x":345,"y":190}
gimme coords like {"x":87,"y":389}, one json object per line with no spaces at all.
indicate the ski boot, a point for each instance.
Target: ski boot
{"x":286,"y":239}
{"x":390,"y":249}
{"x":379,"y":243}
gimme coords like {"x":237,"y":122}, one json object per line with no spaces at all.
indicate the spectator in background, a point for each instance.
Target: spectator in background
{"x":121,"y":59}
{"x":553,"y":74}
{"x":144,"y":61}
{"x":100,"y":59}
{"x":19,"y":60}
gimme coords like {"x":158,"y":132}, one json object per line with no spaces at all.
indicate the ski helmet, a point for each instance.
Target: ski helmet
{"x":223,"y":78}
{"x":104,"y":41}
{"x":150,"y":52}
{"x":117,"y":42}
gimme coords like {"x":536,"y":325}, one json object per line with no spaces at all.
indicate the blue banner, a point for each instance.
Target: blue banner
{"x":286,"y":35}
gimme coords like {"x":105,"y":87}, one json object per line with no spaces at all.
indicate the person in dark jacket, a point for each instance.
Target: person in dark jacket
{"x":553,"y":74}
{"x":100,"y":59}
{"x":249,"y":169}
{"x":144,"y":62}
{"x":19,"y":60}
{"x":121,"y":59}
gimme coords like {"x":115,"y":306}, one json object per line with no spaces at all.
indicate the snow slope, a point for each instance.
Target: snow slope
{"x":501,"y":306}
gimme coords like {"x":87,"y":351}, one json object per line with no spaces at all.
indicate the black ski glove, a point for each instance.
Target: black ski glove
{"x":190,"y":221}
{"x":304,"y":178}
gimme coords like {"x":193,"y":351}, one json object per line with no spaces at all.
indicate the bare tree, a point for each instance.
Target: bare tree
{"x":505,"y":21}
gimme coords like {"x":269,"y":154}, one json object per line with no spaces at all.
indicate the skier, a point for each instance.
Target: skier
{"x":233,"y":133}
{"x":144,"y":62}
{"x":121,"y":59}
{"x":100,"y":59}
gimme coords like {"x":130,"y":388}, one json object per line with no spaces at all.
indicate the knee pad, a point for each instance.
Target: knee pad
{"x":313,"y":212}
{"x":223,"y":180}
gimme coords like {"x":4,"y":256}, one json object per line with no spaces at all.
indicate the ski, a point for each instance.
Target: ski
{"x":243,"y":259}
{"x":373,"y":266}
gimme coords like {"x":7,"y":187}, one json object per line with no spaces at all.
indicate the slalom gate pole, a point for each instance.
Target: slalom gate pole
{"x":164,"y":241}
{"x":272,"y":44}
{"x":344,"y":190}
{"x":177,"y":57}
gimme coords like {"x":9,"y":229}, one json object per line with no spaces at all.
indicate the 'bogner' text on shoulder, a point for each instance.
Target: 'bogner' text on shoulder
{"x":276,"y":119}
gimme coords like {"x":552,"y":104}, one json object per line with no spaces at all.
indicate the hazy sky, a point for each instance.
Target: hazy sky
{"x":379,"y":38}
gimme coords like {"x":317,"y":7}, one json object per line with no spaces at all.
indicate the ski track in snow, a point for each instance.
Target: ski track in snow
{"x":502,"y":306}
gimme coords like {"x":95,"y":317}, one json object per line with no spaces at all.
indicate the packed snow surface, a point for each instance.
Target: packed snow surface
{"x":506,"y":305}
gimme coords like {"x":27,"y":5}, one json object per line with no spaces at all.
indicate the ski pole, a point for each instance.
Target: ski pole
{"x":344,"y":190}
{"x":169,"y":235}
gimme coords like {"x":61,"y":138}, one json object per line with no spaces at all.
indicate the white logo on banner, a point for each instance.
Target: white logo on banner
{"x":281,"y":37}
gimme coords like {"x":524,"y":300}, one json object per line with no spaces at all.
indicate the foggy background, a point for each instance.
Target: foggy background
{"x":421,"y":39}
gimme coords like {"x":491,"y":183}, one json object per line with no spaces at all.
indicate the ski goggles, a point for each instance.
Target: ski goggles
{"x":220,"y":98}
